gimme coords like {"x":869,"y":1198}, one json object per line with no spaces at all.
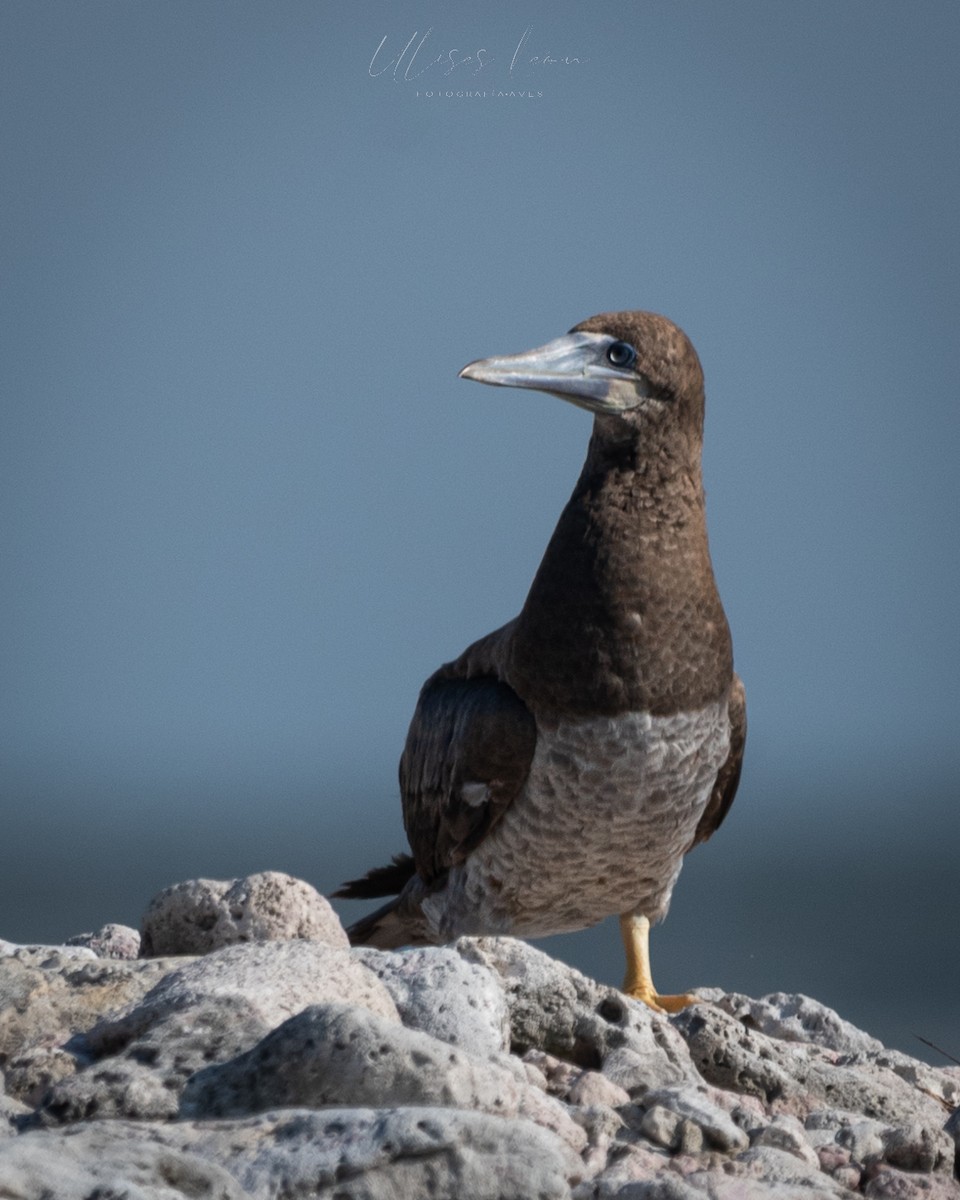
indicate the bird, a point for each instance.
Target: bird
{"x":558,"y":771}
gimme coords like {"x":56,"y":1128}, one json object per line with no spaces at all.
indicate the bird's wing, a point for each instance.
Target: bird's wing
{"x":467,"y":757}
{"x":728,"y":777}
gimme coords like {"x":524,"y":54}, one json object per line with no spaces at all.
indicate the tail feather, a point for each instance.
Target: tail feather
{"x":383,"y":929}
{"x":381,"y":881}
{"x":387,"y":928}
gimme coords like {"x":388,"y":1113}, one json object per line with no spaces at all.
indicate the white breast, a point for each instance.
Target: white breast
{"x":608,"y":811}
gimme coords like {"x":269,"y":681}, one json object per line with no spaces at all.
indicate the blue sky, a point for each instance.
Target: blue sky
{"x":248,"y":506}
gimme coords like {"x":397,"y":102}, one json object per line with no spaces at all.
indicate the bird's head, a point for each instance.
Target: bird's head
{"x":637,"y":368}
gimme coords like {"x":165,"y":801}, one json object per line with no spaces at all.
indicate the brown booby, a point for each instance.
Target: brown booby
{"x":558,"y":771}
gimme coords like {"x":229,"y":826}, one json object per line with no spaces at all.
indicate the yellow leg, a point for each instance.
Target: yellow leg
{"x":635,"y":931}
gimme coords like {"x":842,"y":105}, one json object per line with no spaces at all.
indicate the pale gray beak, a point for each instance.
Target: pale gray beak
{"x":574,"y":367}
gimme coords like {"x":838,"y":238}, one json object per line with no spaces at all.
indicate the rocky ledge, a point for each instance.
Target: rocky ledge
{"x":240,"y":1048}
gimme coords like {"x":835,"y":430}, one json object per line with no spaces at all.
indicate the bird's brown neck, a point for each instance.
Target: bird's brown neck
{"x":624,"y":614}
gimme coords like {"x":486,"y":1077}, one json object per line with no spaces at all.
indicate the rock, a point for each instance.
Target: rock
{"x":591,"y":1089}
{"x":117,"y":1087}
{"x":141,"y":1077}
{"x":730,"y":1056}
{"x":47,"y":956}
{"x":792,"y":1017}
{"x":691,"y":1103}
{"x":558,"y":1076}
{"x":799,"y":1078}
{"x":637,"y":1174}
{"x":782,"y":1176}
{"x":107,"y":1162}
{"x":786,"y":1133}
{"x":887,"y":1183}
{"x":440,"y":993}
{"x":952,"y":1130}
{"x":941,"y":1084}
{"x":202,"y":915}
{"x":605,"y":1130}
{"x":335,"y":1055}
{"x":48,"y":994}
{"x":555,"y":1009}
{"x":277,"y":980}
{"x":337,"y":1154}
{"x":30,"y":1075}
{"x":299,"y":1068}
{"x":392,"y":1154}
{"x":112,"y":941}
{"x":662,"y":1125}
{"x":208,"y":1011}
{"x":11,"y":1112}
{"x":911,"y":1145}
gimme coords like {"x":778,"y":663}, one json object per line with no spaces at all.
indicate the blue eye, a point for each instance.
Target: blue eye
{"x":621,"y":354}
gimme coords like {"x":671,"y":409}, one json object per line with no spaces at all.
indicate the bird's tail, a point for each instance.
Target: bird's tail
{"x":383,"y":929}
{"x":381,"y":881}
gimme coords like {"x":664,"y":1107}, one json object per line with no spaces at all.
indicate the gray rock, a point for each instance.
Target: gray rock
{"x":30,"y":1075}
{"x":49,"y":994}
{"x":952,"y":1130}
{"x":911,"y":1145}
{"x":276,"y":979}
{"x":112,"y":941}
{"x":730,"y":1056}
{"x":335,"y":1055}
{"x":208,"y":1011}
{"x":141,"y":1077}
{"x":440,"y":993}
{"x":691,"y":1103}
{"x":887,"y":1183}
{"x":606,"y":1132}
{"x":939,"y":1083}
{"x":555,"y":1009}
{"x":11,"y":1111}
{"x":593,"y":1089}
{"x":117,"y":1087}
{"x":392,"y":1154}
{"x":637,"y":1173}
{"x":107,"y":1162}
{"x":39,"y":954}
{"x":558,"y":1077}
{"x":201,"y":915}
{"x":774,"y":1173}
{"x":308,"y":1036}
{"x":786,"y":1133}
{"x":799,"y":1078}
{"x":662,"y":1126}
{"x":337,"y":1154}
{"x":796,"y":1018}
{"x":860,"y":1137}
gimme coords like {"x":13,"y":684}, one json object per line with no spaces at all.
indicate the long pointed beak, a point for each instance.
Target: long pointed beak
{"x":573,"y":367}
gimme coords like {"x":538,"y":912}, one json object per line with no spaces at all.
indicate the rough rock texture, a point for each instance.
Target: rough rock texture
{"x":201,"y":915}
{"x":334,"y":1055}
{"x":438,"y":992}
{"x":336,"y":1154}
{"x":50,"y":993}
{"x":295,"y":1067}
{"x":554,"y":1008}
{"x":209,"y":1010}
{"x":112,"y":941}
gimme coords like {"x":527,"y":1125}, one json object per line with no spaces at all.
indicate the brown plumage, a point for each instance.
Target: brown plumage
{"x":569,"y":717}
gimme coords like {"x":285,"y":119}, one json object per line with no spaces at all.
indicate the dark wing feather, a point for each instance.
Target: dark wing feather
{"x":728,"y":777}
{"x":467,"y":756}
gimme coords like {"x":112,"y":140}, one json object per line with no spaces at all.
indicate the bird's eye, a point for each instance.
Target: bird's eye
{"x":621,"y":354}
